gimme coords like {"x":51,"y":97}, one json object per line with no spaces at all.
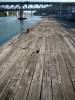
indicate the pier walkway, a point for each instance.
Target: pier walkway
{"x":39,"y":65}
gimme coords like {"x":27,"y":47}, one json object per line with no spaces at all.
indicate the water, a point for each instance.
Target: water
{"x":11,"y":26}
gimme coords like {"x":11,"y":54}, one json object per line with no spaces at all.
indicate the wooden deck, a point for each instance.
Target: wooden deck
{"x":39,"y":65}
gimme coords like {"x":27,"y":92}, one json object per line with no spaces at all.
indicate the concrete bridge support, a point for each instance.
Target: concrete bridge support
{"x":21,"y":14}
{"x":7,"y":13}
{"x":17,"y":13}
{"x":31,"y":13}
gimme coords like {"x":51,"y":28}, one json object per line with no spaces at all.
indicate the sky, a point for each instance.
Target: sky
{"x":40,"y":0}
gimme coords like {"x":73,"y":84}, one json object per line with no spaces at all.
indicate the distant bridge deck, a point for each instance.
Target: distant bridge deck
{"x":34,"y":2}
{"x":17,"y":6}
{"x":39,"y":65}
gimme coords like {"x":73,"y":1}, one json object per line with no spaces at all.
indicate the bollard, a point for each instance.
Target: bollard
{"x":27,"y":30}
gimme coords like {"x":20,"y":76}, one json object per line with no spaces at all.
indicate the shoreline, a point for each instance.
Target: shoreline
{"x":17,"y":37}
{"x":19,"y":34}
{"x":14,"y":27}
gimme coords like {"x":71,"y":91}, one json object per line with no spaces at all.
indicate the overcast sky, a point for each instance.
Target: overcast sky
{"x":42,"y":0}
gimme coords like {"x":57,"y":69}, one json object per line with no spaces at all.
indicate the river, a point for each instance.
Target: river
{"x":11,"y":26}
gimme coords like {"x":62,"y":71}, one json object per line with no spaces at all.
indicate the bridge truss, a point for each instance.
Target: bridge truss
{"x":31,"y":6}
{"x":16,"y":6}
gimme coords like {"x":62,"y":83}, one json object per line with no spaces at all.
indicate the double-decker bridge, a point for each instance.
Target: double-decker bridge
{"x":30,"y":6}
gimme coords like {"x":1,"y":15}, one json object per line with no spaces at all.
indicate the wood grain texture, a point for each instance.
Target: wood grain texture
{"x":39,"y":65}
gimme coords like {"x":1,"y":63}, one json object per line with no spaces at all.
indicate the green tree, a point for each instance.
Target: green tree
{"x":3,"y":13}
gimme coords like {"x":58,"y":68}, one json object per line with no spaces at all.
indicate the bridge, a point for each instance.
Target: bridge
{"x":22,"y":6}
{"x":16,"y":6}
{"x":28,"y":6}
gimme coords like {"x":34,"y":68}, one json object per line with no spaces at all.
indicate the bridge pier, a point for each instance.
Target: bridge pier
{"x":7,"y":13}
{"x":17,"y":13}
{"x":21,"y":14}
{"x":31,"y":13}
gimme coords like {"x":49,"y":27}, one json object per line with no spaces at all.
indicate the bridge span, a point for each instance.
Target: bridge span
{"x":22,"y":6}
{"x":30,"y":6}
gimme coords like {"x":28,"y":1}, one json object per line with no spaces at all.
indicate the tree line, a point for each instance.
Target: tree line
{"x":4,"y":13}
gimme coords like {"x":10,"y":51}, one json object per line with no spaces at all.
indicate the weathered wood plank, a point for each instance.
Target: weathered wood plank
{"x":16,"y":72}
{"x":66,"y":82}
{"x":56,"y":77}
{"x":46,"y":93}
{"x":35,"y":88}
{"x":28,"y":74}
{"x":69,"y":57}
{"x":17,"y":69}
